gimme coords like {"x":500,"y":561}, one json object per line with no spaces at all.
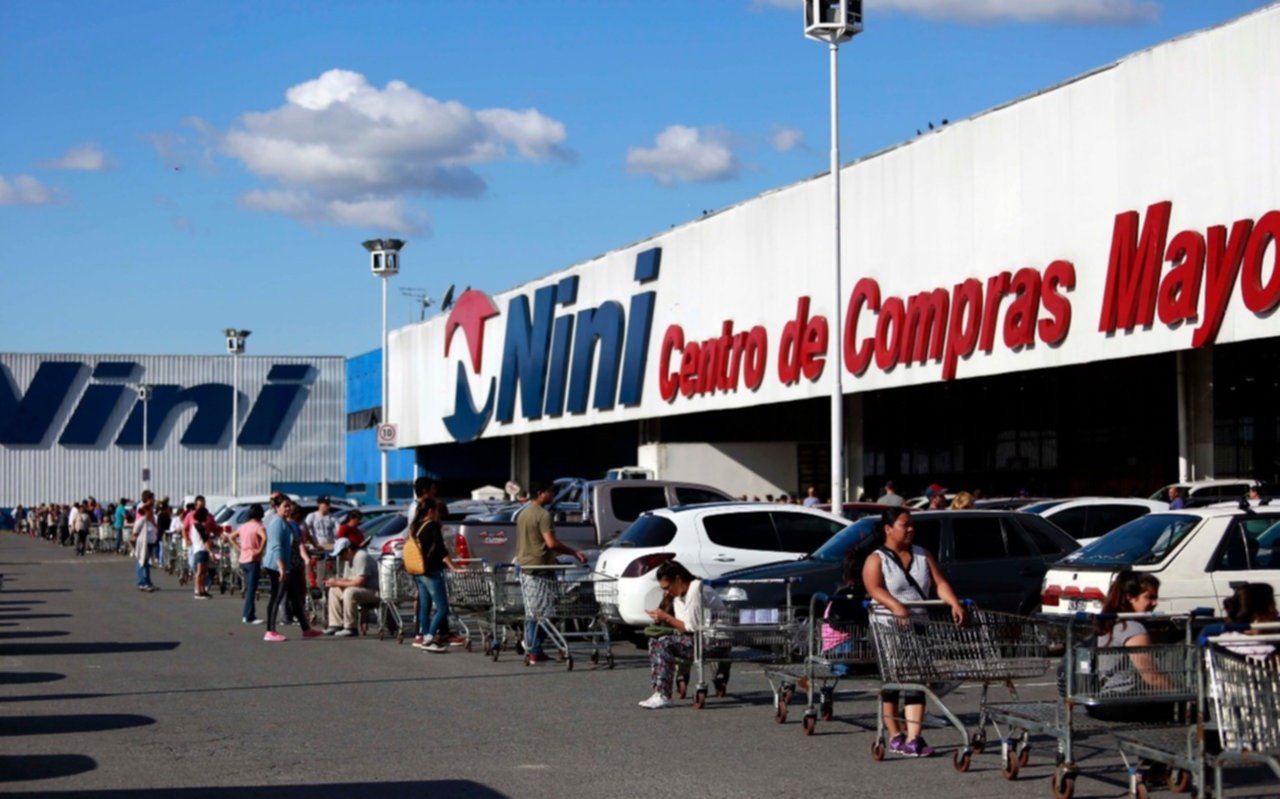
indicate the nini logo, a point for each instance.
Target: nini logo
{"x":550,"y":358}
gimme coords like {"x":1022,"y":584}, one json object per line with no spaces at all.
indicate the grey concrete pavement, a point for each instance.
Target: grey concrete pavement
{"x":104,"y":689}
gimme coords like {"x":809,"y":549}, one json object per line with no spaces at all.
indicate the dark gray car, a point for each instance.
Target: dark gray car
{"x":996,"y":558}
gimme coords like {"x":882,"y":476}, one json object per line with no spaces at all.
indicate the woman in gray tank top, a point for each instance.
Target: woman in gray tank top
{"x":902,"y":572}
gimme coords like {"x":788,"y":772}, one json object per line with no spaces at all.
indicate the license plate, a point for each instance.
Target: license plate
{"x":1077,"y":604}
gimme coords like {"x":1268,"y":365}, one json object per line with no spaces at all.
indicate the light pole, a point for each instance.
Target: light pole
{"x":384,"y":260}
{"x":235,"y":348}
{"x":833,"y":22}
{"x":144,"y":394}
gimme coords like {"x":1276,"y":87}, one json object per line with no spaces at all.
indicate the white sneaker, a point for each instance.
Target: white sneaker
{"x":656,"y":702}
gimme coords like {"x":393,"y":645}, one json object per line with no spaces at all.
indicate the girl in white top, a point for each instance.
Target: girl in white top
{"x":144,"y":536}
{"x":896,"y":573}
{"x":690,"y":600}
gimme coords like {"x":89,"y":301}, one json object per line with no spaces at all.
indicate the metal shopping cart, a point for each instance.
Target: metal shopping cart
{"x":837,"y":647}
{"x":396,"y":588}
{"x":1244,"y":683}
{"x":104,"y":538}
{"x":568,"y":613}
{"x":930,"y":653}
{"x":733,"y":633}
{"x":470,"y":591}
{"x":1164,"y":674}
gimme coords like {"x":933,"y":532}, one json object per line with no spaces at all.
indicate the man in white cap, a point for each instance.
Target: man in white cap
{"x":347,"y":594}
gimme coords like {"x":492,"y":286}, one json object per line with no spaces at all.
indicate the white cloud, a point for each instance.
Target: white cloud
{"x":684,"y":153}
{"x":25,"y":190}
{"x":343,"y":151}
{"x":1083,"y":12}
{"x":785,"y":139}
{"x":85,"y":157}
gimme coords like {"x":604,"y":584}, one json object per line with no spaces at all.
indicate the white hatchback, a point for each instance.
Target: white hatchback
{"x":1199,"y":555}
{"x":709,"y":540}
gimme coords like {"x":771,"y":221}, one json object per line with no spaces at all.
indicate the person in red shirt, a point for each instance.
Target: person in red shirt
{"x":350,"y":529}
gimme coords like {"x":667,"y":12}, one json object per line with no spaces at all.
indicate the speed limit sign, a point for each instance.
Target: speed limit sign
{"x":386,"y":436}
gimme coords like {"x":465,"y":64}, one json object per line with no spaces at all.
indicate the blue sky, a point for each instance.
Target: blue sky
{"x":168,"y":169}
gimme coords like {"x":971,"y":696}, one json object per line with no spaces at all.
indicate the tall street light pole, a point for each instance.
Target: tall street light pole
{"x":833,"y":22}
{"x":235,"y":348}
{"x":144,"y":394}
{"x":384,"y":260}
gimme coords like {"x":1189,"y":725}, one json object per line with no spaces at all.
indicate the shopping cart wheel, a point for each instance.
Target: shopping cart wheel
{"x":494,"y":652}
{"x":1024,"y":754}
{"x":467,"y":645}
{"x":1179,"y":780}
{"x":222,"y":588}
{"x":962,"y":759}
{"x":682,"y":688}
{"x":568,"y":664}
{"x":528,"y":660}
{"x":721,"y":689}
{"x":978,"y":741}
{"x":1012,"y":762}
{"x":1064,"y":783}
{"x":780,"y":713}
{"x":595,"y":657}
{"x":400,"y":637}
{"x":699,"y":698}
{"x":810,"y":723}
{"x":608,"y":661}
{"x":788,"y":693}
{"x":877,"y":750}
{"x":1140,"y":791}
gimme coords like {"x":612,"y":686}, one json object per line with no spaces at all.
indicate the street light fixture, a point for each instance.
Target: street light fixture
{"x":833,"y":22}
{"x":384,"y":260}
{"x":144,"y":394}
{"x":235,"y":348}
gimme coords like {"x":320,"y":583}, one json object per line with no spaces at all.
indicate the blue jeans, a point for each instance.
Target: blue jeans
{"x":433,"y":602}
{"x":144,"y":572}
{"x":251,"y":573}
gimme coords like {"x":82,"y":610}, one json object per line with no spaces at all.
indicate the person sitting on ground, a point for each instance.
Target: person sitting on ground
{"x":348,"y":594}
{"x":691,"y":599}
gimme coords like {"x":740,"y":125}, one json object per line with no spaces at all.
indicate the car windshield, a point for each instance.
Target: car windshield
{"x":1144,"y":540}
{"x":833,"y":551}
{"x":384,"y":525}
{"x":1040,"y":507}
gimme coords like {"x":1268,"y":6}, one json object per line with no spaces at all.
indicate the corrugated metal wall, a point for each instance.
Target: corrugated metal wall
{"x":312,"y":447}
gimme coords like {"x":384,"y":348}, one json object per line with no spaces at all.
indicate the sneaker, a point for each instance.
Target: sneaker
{"x":274,"y":637}
{"x":435,"y":647}
{"x":419,"y":641}
{"x":656,"y":702}
{"x":347,"y":632}
{"x":201,"y":596}
{"x":457,"y":640}
{"x":312,"y":634}
{"x":539,"y":658}
{"x":916,"y":747}
{"x":331,"y":630}
{"x":256,"y":621}
{"x":898,"y":743}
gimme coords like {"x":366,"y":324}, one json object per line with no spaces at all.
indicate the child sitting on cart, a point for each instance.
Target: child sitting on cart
{"x":691,"y":600}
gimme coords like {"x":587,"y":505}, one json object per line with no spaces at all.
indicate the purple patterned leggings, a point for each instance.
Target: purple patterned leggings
{"x":664,"y":651}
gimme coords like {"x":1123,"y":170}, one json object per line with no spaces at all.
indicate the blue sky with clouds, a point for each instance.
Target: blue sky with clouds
{"x":168,"y":169}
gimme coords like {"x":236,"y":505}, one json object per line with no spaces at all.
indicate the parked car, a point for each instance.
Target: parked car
{"x":709,"y":540}
{"x":1011,"y":503}
{"x":853,"y":511}
{"x":1199,"y":493}
{"x":1088,"y":518}
{"x":996,"y":558}
{"x":1200,"y":555}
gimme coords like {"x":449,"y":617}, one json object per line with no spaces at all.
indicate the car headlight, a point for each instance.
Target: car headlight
{"x":733,"y":593}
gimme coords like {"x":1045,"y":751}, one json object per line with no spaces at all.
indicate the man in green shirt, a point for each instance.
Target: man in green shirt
{"x":536,"y":546}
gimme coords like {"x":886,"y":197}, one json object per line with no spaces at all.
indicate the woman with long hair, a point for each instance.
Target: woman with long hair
{"x":250,"y":539}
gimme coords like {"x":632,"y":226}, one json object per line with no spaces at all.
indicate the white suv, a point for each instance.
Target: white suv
{"x":1199,"y":555}
{"x":1087,"y":519}
{"x":1198,"y":493}
{"x":709,"y":540}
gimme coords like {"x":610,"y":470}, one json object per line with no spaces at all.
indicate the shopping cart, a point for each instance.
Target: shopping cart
{"x":1244,"y":683}
{"x":470,"y":591}
{"x":837,"y":647}
{"x":733,"y":633}
{"x":396,"y":588}
{"x":225,"y":568}
{"x":104,"y":538}
{"x":571,"y":616}
{"x":930,"y":653}
{"x":1168,"y":676}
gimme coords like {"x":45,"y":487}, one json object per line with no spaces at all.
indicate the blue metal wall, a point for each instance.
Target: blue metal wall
{"x":364,"y":391}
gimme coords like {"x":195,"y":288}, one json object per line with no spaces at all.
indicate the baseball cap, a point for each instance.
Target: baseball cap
{"x":340,"y":546}
{"x":934,"y":490}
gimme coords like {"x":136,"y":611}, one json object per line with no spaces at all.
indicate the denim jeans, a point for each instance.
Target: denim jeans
{"x":433,"y":602}
{"x":144,"y":572}
{"x":251,"y":573}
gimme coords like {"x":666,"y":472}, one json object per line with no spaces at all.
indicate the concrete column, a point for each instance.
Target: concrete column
{"x":520,"y":460}
{"x":854,"y":442}
{"x":1196,"y":446}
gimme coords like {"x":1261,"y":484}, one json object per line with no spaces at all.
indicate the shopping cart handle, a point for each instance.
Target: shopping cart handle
{"x":1214,"y":630}
{"x":1200,"y":612}
{"x":723,"y":581}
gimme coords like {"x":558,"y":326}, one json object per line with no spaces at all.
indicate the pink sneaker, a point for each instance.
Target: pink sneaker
{"x":274,"y":637}
{"x":313,"y":633}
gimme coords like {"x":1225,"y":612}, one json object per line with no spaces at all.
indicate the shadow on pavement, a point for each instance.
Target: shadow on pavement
{"x":18,"y":768}
{"x":431,"y":789}
{"x":8,"y":636}
{"x":38,"y":591}
{"x":29,"y":677}
{"x":16,"y":613}
{"x":20,"y":601}
{"x":70,"y":722}
{"x":49,"y":698}
{"x":87,"y":648}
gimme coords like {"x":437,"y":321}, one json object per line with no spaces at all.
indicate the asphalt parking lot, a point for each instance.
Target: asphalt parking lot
{"x":105,"y":690}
